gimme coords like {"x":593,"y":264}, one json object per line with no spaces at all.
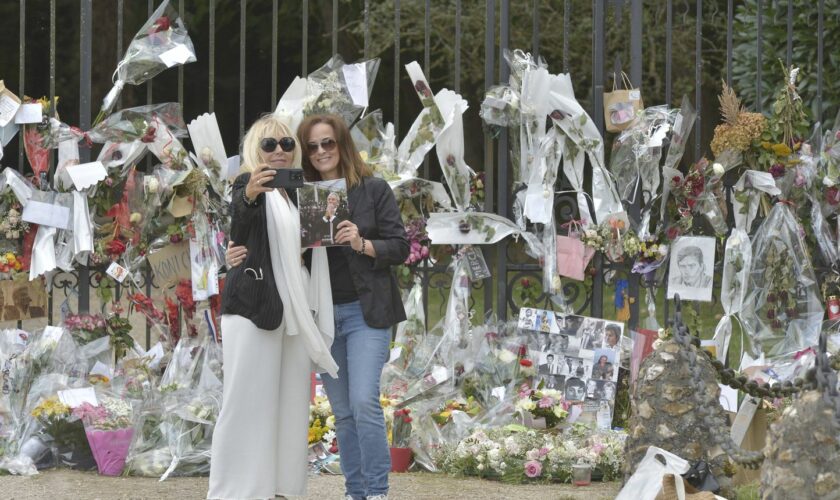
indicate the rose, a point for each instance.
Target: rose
{"x":777,"y":170}
{"x":533,"y":468}
{"x":718,"y":169}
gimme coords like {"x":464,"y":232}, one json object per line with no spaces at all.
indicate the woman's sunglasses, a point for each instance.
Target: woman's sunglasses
{"x":325,"y":144}
{"x":269,"y":144}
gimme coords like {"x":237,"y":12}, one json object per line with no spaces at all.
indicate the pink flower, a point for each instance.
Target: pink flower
{"x":533,"y":468}
{"x":543,"y":451}
{"x":777,"y":170}
{"x":546,"y":402}
{"x":597,"y":448}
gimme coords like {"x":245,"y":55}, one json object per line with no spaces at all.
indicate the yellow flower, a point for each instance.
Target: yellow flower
{"x":781,"y":150}
{"x":766,"y":145}
{"x":364,"y":155}
{"x":10,"y":256}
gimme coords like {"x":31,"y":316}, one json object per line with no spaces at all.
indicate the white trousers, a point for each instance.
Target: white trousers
{"x":260,"y":440}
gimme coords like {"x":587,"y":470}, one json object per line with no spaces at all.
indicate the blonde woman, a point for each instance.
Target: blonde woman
{"x":271,"y":340}
{"x":365,"y":297}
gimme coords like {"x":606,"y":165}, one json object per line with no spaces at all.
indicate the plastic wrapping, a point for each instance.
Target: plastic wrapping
{"x":137,"y":124}
{"x":161,"y":43}
{"x":421,"y":137}
{"x":450,"y":147}
{"x":737,"y":262}
{"x":471,"y":228}
{"x":646,"y":481}
{"x":782,"y":311}
{"x":500,"y":106}
{"x":340,"y":88}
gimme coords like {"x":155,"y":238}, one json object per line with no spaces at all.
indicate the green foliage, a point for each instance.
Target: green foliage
{"x":774,"y":43}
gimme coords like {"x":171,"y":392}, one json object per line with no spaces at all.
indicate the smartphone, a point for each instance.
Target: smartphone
{"x":287,"y":178}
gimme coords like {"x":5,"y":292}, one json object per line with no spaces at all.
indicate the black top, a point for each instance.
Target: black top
{"x":373,"y":208}
{"x":250,"y":290}
{"x":341,"y":284}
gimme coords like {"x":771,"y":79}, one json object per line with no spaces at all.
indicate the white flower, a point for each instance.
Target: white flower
{"x":506,"y":356}
{"x":657,"y":343}
{"x":525,"y":404}
{"x":827,"y":181}
{"x":494,"y":454}
{"x":532,"y":454}
{"x":480,"y":466}
{"x":502,"y":466}
{"x":663,"y":250}
{"x":718,"y":169}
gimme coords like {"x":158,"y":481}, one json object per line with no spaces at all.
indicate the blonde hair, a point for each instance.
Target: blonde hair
{"x":265,"y":126}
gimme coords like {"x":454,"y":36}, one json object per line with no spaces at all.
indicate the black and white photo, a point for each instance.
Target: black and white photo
{"x":691,"y":269}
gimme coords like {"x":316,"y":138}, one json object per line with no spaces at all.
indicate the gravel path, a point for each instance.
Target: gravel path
{"x":67,"y":484}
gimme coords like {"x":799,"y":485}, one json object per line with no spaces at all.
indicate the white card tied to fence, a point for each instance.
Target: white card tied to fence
{"x":86,"y":175}
{"x":29,"y":113}
{"x":47,"y":214}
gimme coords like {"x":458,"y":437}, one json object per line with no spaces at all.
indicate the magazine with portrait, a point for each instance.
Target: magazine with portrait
{"x":322,"y":206}
{"x":691,"y":272}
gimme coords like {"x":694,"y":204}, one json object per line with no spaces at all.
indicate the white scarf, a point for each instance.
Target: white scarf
{"x":291,"y":276}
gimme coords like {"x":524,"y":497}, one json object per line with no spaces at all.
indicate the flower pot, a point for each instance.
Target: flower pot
{"x":400,"y":459}
{"x":581,"y":474}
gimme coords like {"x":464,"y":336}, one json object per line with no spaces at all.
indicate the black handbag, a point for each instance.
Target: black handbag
{"x":700,"y":476}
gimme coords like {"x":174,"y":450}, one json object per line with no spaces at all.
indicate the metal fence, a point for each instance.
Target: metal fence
{"x":495,"y":293}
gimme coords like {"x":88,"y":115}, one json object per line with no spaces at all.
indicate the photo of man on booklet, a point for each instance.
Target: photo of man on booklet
{"x":322,"y":207}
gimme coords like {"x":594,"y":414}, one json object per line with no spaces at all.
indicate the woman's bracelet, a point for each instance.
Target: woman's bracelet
{"x":362,"y":251}
{"x":248,"y":202}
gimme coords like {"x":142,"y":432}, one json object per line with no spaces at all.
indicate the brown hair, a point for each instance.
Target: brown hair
{"x":350,"y":163}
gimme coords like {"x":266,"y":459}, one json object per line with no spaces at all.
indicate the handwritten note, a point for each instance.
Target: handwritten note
{"x":355,"y":75}
{"x":8,"y":109}
{"x":171,"y":263}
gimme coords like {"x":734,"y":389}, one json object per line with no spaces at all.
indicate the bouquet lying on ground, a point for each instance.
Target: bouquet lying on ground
{"x":109,"y":431}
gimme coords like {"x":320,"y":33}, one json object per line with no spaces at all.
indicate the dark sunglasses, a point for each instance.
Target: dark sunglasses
{"x":325,"y":144}
{"x":269,"y":144}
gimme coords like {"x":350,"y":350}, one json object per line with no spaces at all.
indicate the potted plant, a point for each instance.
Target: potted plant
{"x":400,"y":433}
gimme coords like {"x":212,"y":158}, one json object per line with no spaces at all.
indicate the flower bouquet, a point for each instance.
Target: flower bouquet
{"x":38,"y":139}
{"x":782,"y":310}
{"x":340,"y":88}
{"x":66,"y":432}
{"x":109,"y":432}
{"x":161,"y":43}
{"x":700,"y":192}
{"x":424,"y":131}
{"x":468,"y":406}
{"x":399,"y":437}
{"x":541,"y":403}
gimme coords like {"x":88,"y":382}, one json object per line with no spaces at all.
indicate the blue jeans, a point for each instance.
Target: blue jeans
{"x":361,"y":352}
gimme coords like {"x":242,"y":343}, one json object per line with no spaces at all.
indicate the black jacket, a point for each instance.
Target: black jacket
{"x":374,"y":210}
{"x":250,"y":290}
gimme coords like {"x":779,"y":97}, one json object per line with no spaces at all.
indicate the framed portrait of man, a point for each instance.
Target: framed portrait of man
{"x":692,"y":267}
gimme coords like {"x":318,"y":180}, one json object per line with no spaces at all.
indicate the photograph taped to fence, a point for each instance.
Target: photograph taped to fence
{"x":692,"y":265}
{"x":322,"y":207}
